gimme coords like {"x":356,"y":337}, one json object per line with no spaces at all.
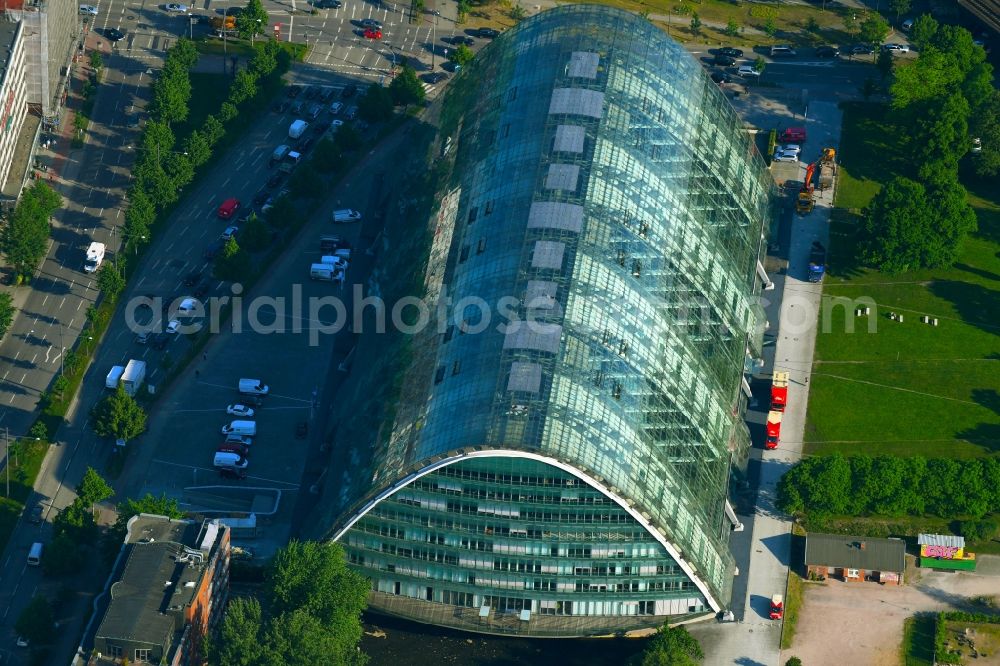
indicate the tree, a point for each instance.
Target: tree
{"x":160,"y":506}
{"x":463,"y":10}
{"x":119,"y":416}
{"x":282,"y":212}
{"x":376,"y":104}
{"x":517,"y":13}
{"x":793,"y":661}
{"x":874,"y":29}
{"x":25,"y":237}
{"x":179,"y":169}
{"x":62,"y":556}
{"x":265,"y":60}
{"x":307,"y":184}
{"x":770,"y":27}
{"x":239,"y":642}
{"x":897,"y":228}
{"x":672,"y":646}
{"x":140,"y":215}
{"x":36,"y":621}
{"x":759,"y":64}
{"x":348,"y":139}
{"x":812,"y":25}
{"x":884,"y":63}
{"x":255,"y":236}
{"x":406,"y":88}
{"x":233,"y":265}
{"x":243,"y":87}
{"x":7,"y":311}
{"x":77,"y":522}
{"x":869,"y":88}
{"x":228,"y":111}
{"x":695,"y":23}
{"x":978,"y":531}
{"x":732,"y":28}
{"x":198,"y":148}
{"x":327,"y":154}
{"x":214,"y":130}
{"x":110,"y":280}
{"x":985,"y":126}
{"x":461,"y":56}
{"x":172,"y":92}
{"x":314,"y":577}
{"x":93,"y":488}
{"x":252,"y":21}
{"x":900,"y":7}
{"x":923,"y":31}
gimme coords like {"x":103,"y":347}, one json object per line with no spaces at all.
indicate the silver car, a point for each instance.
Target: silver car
{"x":90,"y":10}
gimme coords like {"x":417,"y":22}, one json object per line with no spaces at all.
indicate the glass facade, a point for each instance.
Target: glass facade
{"x":566,"y":448}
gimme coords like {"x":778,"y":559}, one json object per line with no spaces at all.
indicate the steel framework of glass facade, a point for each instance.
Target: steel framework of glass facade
{"x":573,"y":461}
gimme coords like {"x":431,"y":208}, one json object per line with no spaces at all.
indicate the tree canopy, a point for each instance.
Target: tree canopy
{"x":25,"y":236}
{"x":672,"y":646}
{"x":406,"y":87}
{"x":119,"y":416}
{"x":310,"y":612}
{"x":891,"y":486}
{"x":36,"y":621}
{"x":252,"y":21}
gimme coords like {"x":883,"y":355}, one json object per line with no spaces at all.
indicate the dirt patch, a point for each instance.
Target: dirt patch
{"x":974,"y":642}
{"x":862,"y":623}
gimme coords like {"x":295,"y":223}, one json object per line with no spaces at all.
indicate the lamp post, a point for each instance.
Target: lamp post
{"x":225,"y":50}
{"x":434,"y":38}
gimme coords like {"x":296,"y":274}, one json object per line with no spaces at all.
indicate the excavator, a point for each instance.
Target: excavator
{"x":805,"y":202}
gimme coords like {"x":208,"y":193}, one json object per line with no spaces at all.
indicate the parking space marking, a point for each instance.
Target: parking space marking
{"x":212,"y":470}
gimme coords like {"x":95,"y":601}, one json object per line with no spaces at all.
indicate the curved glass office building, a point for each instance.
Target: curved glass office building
{"x":560,"y":467}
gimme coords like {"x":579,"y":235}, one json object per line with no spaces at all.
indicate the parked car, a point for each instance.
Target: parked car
{"x":240,"y":409}
{"x":89,"y":10}
{"x":827,"y":52}
{"x":371,"y":23}
{"x":275,"y":180}
{"x":459,"y":40}
{"x":232,"y":473}
{"x":36,"y":514}
{"x":327,"y":4}
{"x":748,"y":71}
{"x":294,"y":91}
{"x":488,"y":33}
{"x":229,"y":232}
{"x":900,"y":48}
{"x":336,"y":107}
{"x":731,"y":52}
{"x":351,"y":112}
{"x":174,"y":7}
{"x":723,"y":60}
{"x":228,"y":208}
{"x":213,"y":250}
{"x":720,"y":77}
{"x":114,"y":34}
{"x":160,"y":340}
{"x":173,"y":327}
{"x":371,"y":33}
{"x":349,"y":91}
{"x":297,"y":107}
{"x":280,"y":107}
{"x":786,"y":156}
{"x":326,"y":94}
{"x":862,"y":49}
{"x":260,"y":197}
{"x":315,"y":110}
{"x":201,"y":289}
{"x":191,"y":279}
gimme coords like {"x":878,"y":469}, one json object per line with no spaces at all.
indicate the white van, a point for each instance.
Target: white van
{"x":346,"y":215}
{"x":227,"y":460}
{"x":326,"y":272}
{"x":782,"y":51}
{"x":242,"y":441}
{"x":35,"y":554}
{"x":248,"y":428}
{"x":253,"y":387}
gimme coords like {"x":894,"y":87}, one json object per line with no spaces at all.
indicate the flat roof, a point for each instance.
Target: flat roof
{"x":855,"y":552}
{"x":8,"y":32}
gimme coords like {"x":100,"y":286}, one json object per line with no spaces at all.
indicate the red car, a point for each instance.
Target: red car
{"x":229,"y":208}
{"x":373,"y":34}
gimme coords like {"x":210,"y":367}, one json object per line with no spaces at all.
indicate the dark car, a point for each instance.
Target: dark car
{"x":36,"y":514}
{"x":459,"y":40}
{"x":326,"y":94}
{"x":349,"y":91}
{"x":723,"y":60}
{"x":275,"y":180}
{"x":731,"y":52}
{"x":231,"y":473}
{"x":294,"y":91}
{"x":114,"y":34}
{"x":312,"y":92}
{"x":321,"y":126}
{"x":160,"y":340}
{"x":435,"y":77}
{"x":201,"y":289}
{"x":306,"y":143}
{"x":260,"y":197}
{"x":213,"y":249}
{"x":862,"y":49}
{"x":827,"y":52}
{"x":280,"y":107}
{"x":327,"y":4}
{"x":297,"y":107}
{"x":488,"y":33}
{"x":191,"y":279}
{"x":720,"y":77}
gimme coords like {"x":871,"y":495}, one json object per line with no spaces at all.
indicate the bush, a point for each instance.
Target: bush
{"x":978,"y":531}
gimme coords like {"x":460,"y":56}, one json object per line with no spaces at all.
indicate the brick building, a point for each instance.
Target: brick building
{"x":855,"y":559}
{"x":169,"y":587}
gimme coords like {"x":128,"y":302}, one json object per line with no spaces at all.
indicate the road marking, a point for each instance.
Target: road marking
{"x":227,"y":181}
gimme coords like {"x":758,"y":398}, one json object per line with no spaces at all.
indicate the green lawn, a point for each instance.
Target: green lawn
{"x":906,"y":388}
{"x":918,"y":640}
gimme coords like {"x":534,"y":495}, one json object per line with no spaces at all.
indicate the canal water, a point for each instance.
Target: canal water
{"x":412,"y":644}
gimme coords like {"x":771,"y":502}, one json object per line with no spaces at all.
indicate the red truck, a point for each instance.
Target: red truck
{"x":777,"y":607}
{"x":779,"y":391}
{"x":773,"y":430}
{"x":793,"y":135}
